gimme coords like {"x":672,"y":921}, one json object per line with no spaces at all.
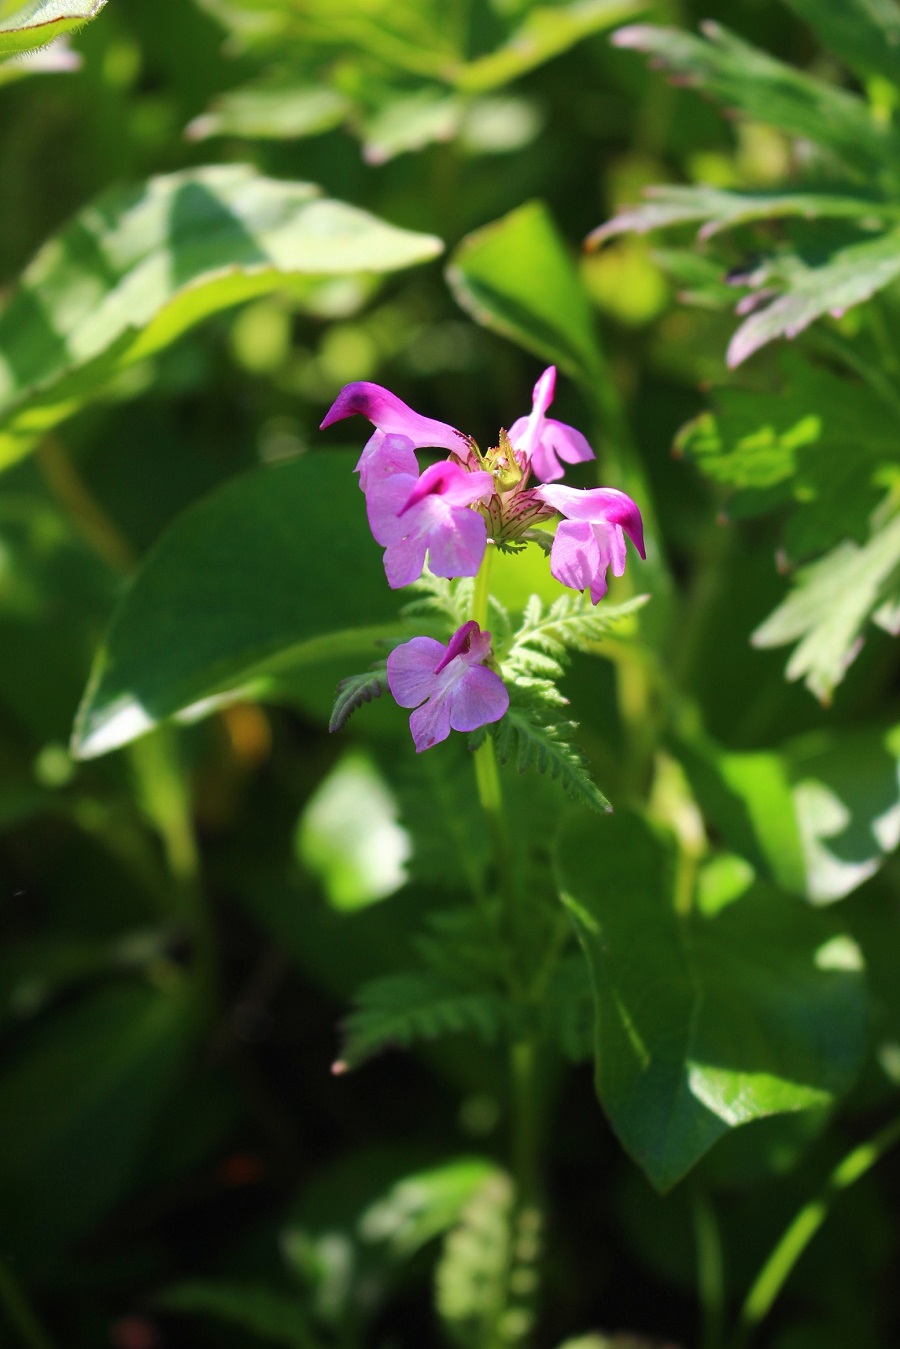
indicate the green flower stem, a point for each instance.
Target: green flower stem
{"x":19,"y":1313}
{"x":524,"y":1139}
{"x":164,"y":794}
{"x":775,"y":1272}
{"x":710,"y":1274}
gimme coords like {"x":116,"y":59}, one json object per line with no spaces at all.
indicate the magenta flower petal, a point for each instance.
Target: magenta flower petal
{"x":384,"y":502}
{"x":480,"y":698}
{"x":545,"y":441}
{"x":574,"y":557}
{"x":384,"y":456}
{"x":592,"y":537}
{"x":598,"y":505}
{"x":558,"y":441}
{"x":450,"y":684}
{"x":392,"y":416}
{"x":456,"y":544}
{"x":404,"y":560}
{"x":411,"y":670}
{"x":455,"y":485}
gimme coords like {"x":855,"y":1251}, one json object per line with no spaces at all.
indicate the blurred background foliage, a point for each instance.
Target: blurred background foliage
{"x":186,"y":921}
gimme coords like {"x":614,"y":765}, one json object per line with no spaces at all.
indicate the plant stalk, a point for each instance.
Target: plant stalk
{"x":775,"y":1272}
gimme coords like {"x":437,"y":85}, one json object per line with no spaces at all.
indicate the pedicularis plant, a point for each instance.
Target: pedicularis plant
{"x":295,"y":1027}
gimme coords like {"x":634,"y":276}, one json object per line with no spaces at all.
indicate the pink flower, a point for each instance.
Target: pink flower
{"x":592,"y":537}
{"x":390,"y":416}
{"x":544,"y":441}
{"x":449,"y":686}
{"x":410,"y":516}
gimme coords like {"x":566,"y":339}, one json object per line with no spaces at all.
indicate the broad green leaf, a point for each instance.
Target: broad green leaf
{"x":816,"y":441}
{"x":140,"y":266}
{"x":747,"y":799}
{"x":864,"y":33}
{"x":544,"y":33}
{"x":34,"y":24}
{"x":704,"y":1023}
{"x":803,"y":293}
{"x":847,"y":800}
{"x":830,"y":605}
{"x":716,"y":209}
{"x":757,"y":86}
{"x":275,"y":569}
{"x":77,"y":1105}
{"x":273,"y":1316}
{"x":410,"y":123}
{"x":271,"y":112}
{"x":517,"y":277}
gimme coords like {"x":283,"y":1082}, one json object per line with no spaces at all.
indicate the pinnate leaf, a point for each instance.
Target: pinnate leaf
{"x":746,"y":80}
{"x":528,"y":738}
{"x":352,"y":692}
{"x":400,"y":1009}
{"x":832,"y":601}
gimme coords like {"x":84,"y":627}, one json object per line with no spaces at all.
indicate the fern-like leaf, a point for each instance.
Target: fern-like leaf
{"x":524,"y":737}
{"x":400,"y":1009}
{"x":570,"y":624}
{"x":352,"y":692}
{"x":439,"y":600}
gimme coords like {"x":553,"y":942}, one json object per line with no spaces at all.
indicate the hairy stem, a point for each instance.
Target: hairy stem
{"x":775,"y":1272}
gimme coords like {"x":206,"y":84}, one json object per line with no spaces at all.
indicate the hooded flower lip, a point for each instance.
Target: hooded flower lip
{"x":390,"y":416}
{"x":543,"y":440}
{"x":430,"y":514}
{"x":449,"y":686}
{"x":591,"y":538}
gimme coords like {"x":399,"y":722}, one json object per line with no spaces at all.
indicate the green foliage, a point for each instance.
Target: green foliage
{"x":425,"y":1204}
{"x":386,"y":48}
{"x":135,"y":270}
{"x":352,"y":692}
{"x":274,"y":1317}
{"x":755,"y":85}
{"x":23,"y":28}
{"x":492,"y":276}
{"x":528,"y":739}
{"x":832,"y":601}
{"x":401,"y":1009}
{"x":213,"y":609}
{"x":704,"y":1023}
{"x":116,"y":1054}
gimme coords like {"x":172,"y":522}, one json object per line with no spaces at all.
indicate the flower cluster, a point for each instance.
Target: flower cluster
{"x":452,"y":509}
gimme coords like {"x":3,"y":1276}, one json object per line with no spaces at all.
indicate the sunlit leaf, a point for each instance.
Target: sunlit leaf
{"x":864,"y":33}
{"x":704,"y":1023}
{"x":746,"y":80}
{"x":235,"y":590}
{"x":517,"y":277}
{"x":270,"y":112}
{"x":716,"y":209}
{"x":831,"y":602}
{"x":34,"y":24}
{"x":133,"y":271}
{"x":544,"y":33}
